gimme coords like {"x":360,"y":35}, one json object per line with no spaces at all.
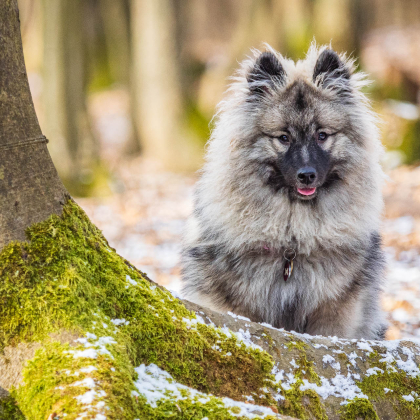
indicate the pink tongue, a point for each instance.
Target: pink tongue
{"x":306,"y":191}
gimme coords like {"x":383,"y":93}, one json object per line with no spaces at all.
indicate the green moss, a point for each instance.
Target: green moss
{"x":398,"y":383}
{"x":297,"y":344}
{"x":343,"y":357}
{"x":268,"y":338}
{"x":54,"y":379}
{"x":67,"y":277}
{"x":303,"y":404}
{"x":189,"y":410}
{"x":9,"y":409}
{"x":297,"y":403}
{"x":306,"y":370}
{"x":388,"y":385}
{"x":359,"y":408}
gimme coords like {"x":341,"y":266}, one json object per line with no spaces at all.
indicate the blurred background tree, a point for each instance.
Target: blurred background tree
{"x":112,"y":79}
{"x":65,"y":72}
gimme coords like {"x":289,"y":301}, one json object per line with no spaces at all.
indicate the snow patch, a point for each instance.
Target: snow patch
{"x":130,"y":280}
{"x":364,"y":345}
{"x":118,"y":322}
{"x":328,"y":359}
{"x":243,"y":318}
{"x":156,"y":384}
{"x":374,"y":371}
{"x":340,"y":386}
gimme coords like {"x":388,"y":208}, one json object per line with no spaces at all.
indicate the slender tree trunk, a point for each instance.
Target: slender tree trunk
{"x":75,"y":149}
{"x":115,"y":16}
{"x":157,"y":86}
{"x":155,"y":77}
{"x":54,"y":92}
{"x":30,"y":189}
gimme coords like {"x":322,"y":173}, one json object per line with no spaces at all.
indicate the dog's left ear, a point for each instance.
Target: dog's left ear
{"x":330,"y":71}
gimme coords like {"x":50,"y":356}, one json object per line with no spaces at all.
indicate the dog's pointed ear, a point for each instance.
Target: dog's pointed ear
{"x":267,"y":72}
{"x":330,"y":71}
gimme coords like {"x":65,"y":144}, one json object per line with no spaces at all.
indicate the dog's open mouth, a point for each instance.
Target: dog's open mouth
{"x":306,"y":191}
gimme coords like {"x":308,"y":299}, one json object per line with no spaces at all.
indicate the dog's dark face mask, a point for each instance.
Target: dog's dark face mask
{"x":304,"y":141}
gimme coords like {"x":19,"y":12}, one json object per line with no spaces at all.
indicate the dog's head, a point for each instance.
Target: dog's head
{"x":307,"y":123}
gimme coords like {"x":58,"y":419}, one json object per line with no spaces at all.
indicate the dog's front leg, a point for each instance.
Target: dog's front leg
{"x":340,"y":317}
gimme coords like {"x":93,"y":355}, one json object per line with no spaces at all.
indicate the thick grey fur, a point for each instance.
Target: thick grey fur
{"x":247,"y":210}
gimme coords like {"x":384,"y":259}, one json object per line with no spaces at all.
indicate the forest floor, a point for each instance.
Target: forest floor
{"x":144,"y":222}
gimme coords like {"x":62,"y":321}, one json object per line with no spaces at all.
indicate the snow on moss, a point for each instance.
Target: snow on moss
{"x":158,"y":386}
{"x":392,"y":374}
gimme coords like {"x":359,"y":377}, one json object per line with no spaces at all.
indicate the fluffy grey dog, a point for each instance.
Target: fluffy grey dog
{"x":287,"y":210}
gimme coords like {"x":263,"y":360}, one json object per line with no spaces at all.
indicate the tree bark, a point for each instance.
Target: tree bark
{"x":30,"y":189}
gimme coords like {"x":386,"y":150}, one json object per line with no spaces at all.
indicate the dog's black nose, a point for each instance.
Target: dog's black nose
{"x":306,"y":175}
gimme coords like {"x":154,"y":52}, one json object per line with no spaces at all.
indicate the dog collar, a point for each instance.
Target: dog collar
{"x":289,"y":255}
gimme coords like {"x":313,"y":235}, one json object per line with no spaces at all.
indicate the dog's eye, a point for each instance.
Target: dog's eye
{"x":284,"y":139}
{"x":322,"y":136}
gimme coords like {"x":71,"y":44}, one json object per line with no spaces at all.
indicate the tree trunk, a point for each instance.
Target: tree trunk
{"x":115,"y":17}
{"x":76,"y":150}
{"x":156,"y":86}
{"x":155,"y":77}
{"x":83,"y":334}
{"x":116,"y":21}
{"x":30,"y":189}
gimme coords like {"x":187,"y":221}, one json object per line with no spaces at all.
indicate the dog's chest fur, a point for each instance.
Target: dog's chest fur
{"x":250,"y":281}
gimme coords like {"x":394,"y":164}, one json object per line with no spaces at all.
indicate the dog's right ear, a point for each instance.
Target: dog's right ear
{"x":266,"y":73}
